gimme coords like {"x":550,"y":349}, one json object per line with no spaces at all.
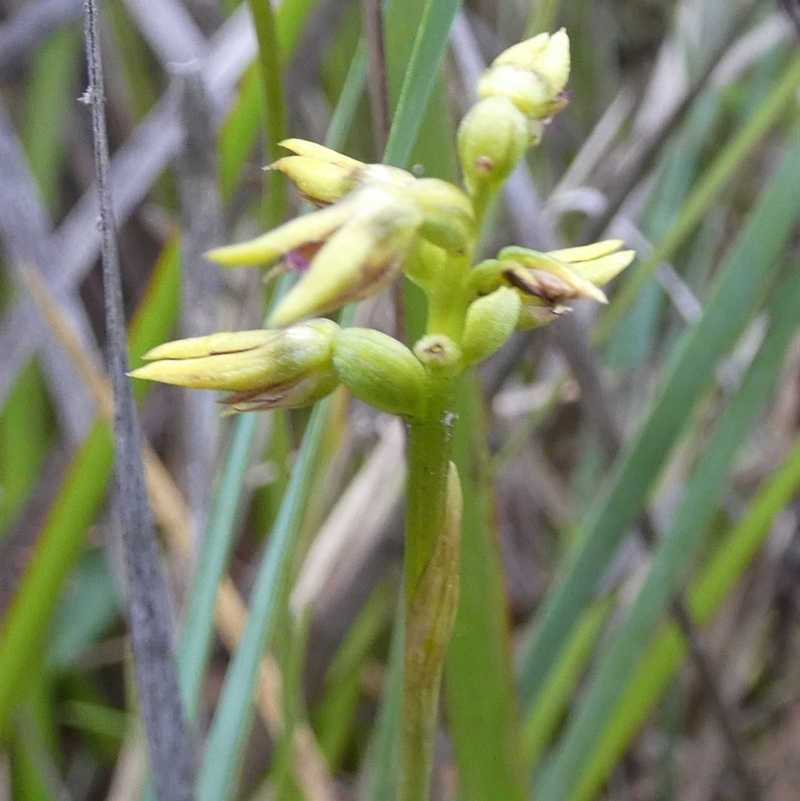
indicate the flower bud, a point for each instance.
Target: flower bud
{"x":532,"y":74}
{"x":319,"y":182}
{"x":448,"y":219}
{"x":322,"y":175}
{"x":492,"y":138}
{"x":265,"y":369}
{"x":490,"y":322}
{"x":379,"y":370}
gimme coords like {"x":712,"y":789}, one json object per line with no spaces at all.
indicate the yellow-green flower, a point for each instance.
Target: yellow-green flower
{"x":545,"y":281}
{"x":354,"y":247}
{"x":266,"y":369}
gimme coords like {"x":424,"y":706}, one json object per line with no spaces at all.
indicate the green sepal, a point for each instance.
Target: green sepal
{"x":490,"y":322}
{"x":485,"y":277}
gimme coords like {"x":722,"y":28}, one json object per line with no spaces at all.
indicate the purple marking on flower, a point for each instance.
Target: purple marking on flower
{"x":296,"y":260}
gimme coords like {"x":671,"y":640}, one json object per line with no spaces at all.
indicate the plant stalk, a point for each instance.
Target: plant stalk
{"x":433,"y":523}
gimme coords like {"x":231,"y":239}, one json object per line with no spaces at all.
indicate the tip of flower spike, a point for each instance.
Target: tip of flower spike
{"x":532,"y":74}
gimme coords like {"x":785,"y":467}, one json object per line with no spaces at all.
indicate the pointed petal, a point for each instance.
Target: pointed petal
{"x":319,"y":152}
{"x":601,"y":271}
{"x":269,"y":247}
{"x":221,"y":342}
{"x":587,"y":252}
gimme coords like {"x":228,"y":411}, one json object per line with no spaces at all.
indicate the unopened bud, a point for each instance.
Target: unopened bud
{"x":321,"y":174}
{"x":532,"y":74}
{"x":492,"y":138}
{"x":263,"y":369}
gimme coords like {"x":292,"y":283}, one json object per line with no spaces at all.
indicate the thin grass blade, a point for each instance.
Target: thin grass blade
{"x":747,"y":271}
{"x":618,"y":658}
{"x":669,"y":650}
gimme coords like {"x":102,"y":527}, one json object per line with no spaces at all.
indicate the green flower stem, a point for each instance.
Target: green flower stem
{"x":431,"y":584}
{"x":433,"y":531}
{"x":429,"y":441}
{"x":432,"y":541}
{"x":449,"y":299}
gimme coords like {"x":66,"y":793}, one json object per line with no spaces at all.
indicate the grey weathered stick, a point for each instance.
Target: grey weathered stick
{"x":171,"y":751}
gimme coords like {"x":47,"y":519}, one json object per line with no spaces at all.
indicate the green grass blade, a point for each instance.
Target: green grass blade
{"x":197,"y":629}
{"x":274,"y":107}
{"x":668,"y":651}
{"x":704,"y":195}
{"x":57,"y":547}
{"x":554,"y":699}
{"x":217,"y":780}
{"x":54,"y":79}
{"x":747,"y":270}
{"x":420,"y":78}
{"x":26,"y":430}
{"x":675,"y":550}
{"x":381,"y":768}
{"x":479,"y":686}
